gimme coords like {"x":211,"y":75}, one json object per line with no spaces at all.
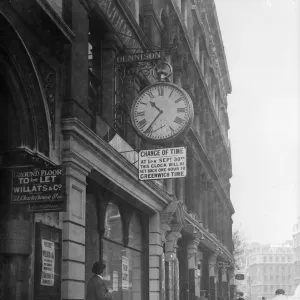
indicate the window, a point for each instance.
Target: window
{"x":184,"y":11}
{"x":271,"y":258}
{"x":94,"y":88}
{"x":277,"y":258}
{"x":282,"y":258}
{"x":123,"y":254}
{"x":265,"y":259}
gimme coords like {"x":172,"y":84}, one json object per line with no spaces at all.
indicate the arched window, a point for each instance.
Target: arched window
{"x":113,"y":224}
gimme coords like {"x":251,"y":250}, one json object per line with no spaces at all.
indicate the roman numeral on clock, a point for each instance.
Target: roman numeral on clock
{"x":178,"y":100}
{"x":149,"y":131}
{"x":160,"y":91}
{"x":179,"y":120}
{"x":140,"y":114}
{"x":180,"y":109}
{"x":142,"y":123}
{"x":150,"y":94}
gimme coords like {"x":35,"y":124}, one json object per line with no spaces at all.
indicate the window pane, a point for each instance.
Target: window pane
{"x":113,"y":224}
{"x":124,"y":271}
{"x":135,"y":233}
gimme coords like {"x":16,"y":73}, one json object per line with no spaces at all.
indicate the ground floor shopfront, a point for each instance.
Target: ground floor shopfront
{"x":149,"y":247}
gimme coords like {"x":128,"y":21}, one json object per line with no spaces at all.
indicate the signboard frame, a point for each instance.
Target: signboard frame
{"x":139,"y":57}
{"x":239,"y":276}
{"x":166,"y":161}
{"x":43,"y":189}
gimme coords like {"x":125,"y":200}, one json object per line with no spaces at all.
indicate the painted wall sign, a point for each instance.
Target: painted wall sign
{"x":156,"y":55}
{"x":115,"y":16}
{"x":162,"y":163}
{"x":38,"y":185}
{"x":48,"y":262}
{"x":15,"y":237}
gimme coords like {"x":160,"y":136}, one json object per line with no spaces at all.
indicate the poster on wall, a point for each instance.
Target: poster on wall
{"x":47,"y":266}
{"x":48,"y":262}
{"x":125,"y":273}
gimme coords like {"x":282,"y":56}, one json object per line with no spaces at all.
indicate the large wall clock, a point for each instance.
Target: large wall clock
{"x":162,"y":112}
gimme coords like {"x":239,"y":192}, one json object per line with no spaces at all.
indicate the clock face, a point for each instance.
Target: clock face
{"x":161,"y":112}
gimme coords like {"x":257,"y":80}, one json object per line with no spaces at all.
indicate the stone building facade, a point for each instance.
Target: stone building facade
{"x":64,"y":102}
{"x":269,"y":267}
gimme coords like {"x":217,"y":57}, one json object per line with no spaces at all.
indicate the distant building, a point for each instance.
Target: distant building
{"x":296,"y":248}
{"x":269,"y":267}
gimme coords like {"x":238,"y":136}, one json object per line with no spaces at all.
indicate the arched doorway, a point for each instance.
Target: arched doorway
{"x":24,"y":140}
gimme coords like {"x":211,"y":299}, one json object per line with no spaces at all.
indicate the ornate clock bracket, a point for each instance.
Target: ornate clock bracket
{"x":150,"y":66}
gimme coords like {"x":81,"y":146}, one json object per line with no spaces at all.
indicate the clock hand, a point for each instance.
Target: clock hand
{"x":154,"y":105}
{"x":148,"y":129}
{"x":159,"y":128}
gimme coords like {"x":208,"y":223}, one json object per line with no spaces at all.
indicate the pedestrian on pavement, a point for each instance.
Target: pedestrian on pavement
{"x":96,"y":288}
{"x":279,"y":295}
{"x":240,"y":296}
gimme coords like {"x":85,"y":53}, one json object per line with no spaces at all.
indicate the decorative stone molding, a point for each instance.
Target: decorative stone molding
{"x":48,"y":77}
{"x":224,"y":274}
{"x":171,"y":242}
{"x":231,"y":274}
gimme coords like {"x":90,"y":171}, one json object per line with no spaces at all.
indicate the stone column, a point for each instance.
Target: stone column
{"x":205,"y":198}
{"x":77,"y":18}
{"x":172,"y":281}
{"x":192,"y":266}
{"x":200,"y":195}
{"x":225,"y":293}
{"x":109,"y":82}
{"x":199,"y":273}
{"x":180,"y":189}
{"x":73,"y":235}
{"x":156,"y":258}
{"x":219,"y":220}
{"x":231,"y":284}
{"x":203,"y":117}
{"x":210,"y":195}
{"x":215,"y":218}
{"x":177,"y":74}
{"x":212,"y":261}
{"x":197,"y":119}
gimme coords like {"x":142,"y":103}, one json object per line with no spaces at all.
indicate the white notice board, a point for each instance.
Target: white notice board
{"x":164,"y":163}
{"x":48,"y":261}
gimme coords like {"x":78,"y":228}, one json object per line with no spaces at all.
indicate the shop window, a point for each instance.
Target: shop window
{"x":123,"y":254}
{"x":113,"y":224}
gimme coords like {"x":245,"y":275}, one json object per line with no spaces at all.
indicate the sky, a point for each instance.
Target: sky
{"x":262,"y":45}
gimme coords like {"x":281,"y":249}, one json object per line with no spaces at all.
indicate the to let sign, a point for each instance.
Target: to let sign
{"x":38,"y":185}
{"x":164,"y":163}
